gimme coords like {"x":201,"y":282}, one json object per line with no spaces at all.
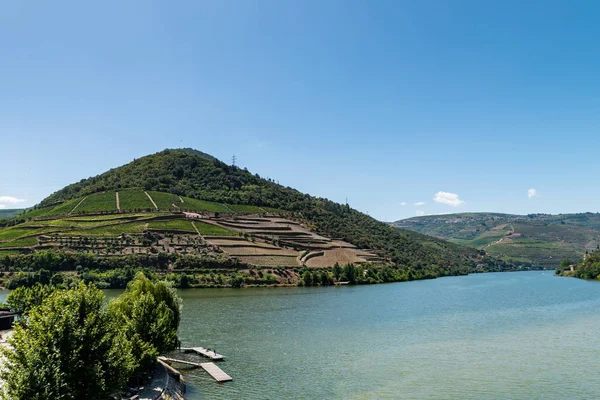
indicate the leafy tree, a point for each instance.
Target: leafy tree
{"x":237,"y":281}
{"x":184,"y":281}
{"x":23,"y":299}
{"x":565,"y":263}
{"x":69,"y":348}
{"x":150,"y":313}
{"x":307,"y":278}
{"x":325,"y":279}
{"x":349,"y":273}
{"x":337,"y":271}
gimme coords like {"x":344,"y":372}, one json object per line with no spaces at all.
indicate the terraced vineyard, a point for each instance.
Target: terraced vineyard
{"x":247,"y":233}
{"x":272,"y":241}
{"x":254,"y":239}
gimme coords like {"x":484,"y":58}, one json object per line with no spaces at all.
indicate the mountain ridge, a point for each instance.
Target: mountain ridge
{"x":539,"y":239}
{"x":10,"y":212}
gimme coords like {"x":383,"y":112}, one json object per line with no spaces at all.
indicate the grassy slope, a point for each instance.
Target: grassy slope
{"x":166,"y":201}
{"x":97,"y":202}
{"x":134,"y":199}
{"x":541,"y":239}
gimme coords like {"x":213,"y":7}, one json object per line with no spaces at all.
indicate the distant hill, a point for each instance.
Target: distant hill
{"x":540,"y":239}
{"x":178,"y":204}
{"x":9,"y":213}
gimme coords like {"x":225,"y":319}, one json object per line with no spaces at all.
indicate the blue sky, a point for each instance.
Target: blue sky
{"x":386,"y":103}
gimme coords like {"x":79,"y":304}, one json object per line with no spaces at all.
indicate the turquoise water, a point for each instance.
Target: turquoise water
{"x":525,"y":335}
{"x":488,"y":336}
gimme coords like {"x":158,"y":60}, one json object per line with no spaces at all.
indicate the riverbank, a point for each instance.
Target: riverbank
{"x":231,"y":277}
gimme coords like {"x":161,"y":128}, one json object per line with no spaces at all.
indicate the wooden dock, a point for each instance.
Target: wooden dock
{"x":172,"y":370}
{"x":204,"y":352}
{"x":172,"y":360}
{"x":216,"y":372}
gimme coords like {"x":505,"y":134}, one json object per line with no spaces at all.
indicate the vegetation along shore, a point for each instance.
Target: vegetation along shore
{"x":73,"y":344}
{"x":186,"y":217}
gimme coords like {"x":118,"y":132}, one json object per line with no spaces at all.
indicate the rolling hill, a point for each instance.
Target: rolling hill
{"x":539,"y":239}
{"x":184,"y":212}
{"x":9,"y":212}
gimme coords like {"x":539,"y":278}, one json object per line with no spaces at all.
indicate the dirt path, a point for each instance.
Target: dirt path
{"x":196,"y":228}
{"x":117,"y":198}
{"x":181,"y":198}
{"x":226,"y":206}
{"x":74,"y":208}
{"x":493,"y":243}
{"x":153,"y":203}
{"x":512,"y":230}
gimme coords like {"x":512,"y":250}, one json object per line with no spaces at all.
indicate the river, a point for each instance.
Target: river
{"x":520,"y":335}
{"x":485,"y":336}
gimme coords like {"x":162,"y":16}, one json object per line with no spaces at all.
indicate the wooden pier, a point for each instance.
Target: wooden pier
{"x":172,"y":370}
{"x":217,"y":373}
{"x":172,"y":360}
{"x":204,"y":352}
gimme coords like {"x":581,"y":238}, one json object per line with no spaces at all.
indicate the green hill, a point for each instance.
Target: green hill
{"x":9,"y":213}
{"x":178,"y":209}
{"x":539,"y":239}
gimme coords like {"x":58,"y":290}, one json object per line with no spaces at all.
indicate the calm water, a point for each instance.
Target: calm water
{"x":489,"y":336}
{"x":525,"y":335}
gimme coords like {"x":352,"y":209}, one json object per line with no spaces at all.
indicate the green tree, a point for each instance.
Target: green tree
{"x":149,"y":313}
{"x":349,"y":273}
{"x":337,"y":271}
{"x":23,"y":299}
{"x":565,"y":263}
{"x":237,"y":281}
{"x":325,"y":279}
{"x":307,"y":278}
{"x":68,"y":348}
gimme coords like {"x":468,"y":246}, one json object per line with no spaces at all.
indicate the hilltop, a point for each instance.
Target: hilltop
{"x":182,"y":210}
{"x":539,"y":239}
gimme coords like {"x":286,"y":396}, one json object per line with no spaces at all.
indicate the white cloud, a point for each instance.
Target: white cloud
{"x":531,"y":193}
{"x":420,"y":203}
{"x":448,"y":198}
{"x":8,"y":200}
{"x":403,"y":203}
{"x":420,"y":213}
